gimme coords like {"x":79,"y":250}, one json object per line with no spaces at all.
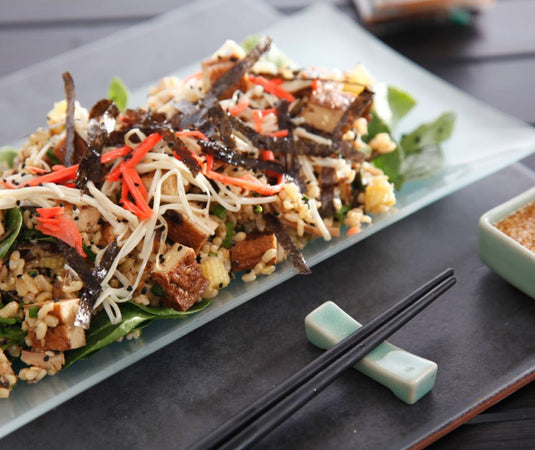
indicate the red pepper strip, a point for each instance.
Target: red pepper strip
{"x":59,"y":176}
{"x":48,"y":213}
{"x":124,"y":194}
{"x":114,"y":154}
{"x":268,"y":155}
{"x":58,"y":167}
{"x":247,"y":182}
{"x":265,"y":112}
{"x":280,"y":133}
{"x":209,"y":164}
{"x":36,"y":170}
{"x":315,"y":84}
{"x":132,"y":173}
{"x":192,"y":133}
{"x":137,"y":155}
{"x":258,"y":120}
{"x":353,"y":230}
{"x":63,"y":228}
{"x":242,"y":105}
{"x":132,"y":207}
{"x":8,"y":185}
{"x":272,"y":87}
{"x":144,"y":209}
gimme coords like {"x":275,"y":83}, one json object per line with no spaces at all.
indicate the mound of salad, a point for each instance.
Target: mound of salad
{"x":112,"y":217}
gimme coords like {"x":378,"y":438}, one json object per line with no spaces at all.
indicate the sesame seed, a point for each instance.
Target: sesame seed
{"x":129,"y":288}
{"x":46,"y":358}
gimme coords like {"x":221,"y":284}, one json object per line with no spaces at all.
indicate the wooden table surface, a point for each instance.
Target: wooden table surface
{"x":493,"y":59}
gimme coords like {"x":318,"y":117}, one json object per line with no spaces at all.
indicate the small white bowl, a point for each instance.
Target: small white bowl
{"x":508,"y":258}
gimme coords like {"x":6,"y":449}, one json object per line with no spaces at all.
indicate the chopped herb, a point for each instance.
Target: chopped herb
{"x":227,"y":241}
{"x":32,"y":311}
{"x":220,"y":212}
{"x":90,"y":253}
{"x":212,"y":254}
{"x":341,"y":213}
{"x":258,"y":209}
{"x":33,"y":273}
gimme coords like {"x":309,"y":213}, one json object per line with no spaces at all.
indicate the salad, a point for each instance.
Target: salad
{"x":113,"y":217}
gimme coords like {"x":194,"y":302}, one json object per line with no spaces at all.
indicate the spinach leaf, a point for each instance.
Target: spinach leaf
{"x":429,"y":134}
{"x":423,"y":163}
{"x":118,"y":92}
{"x":8,"y":155}
{"x":103,"y":333}
{"x":13,"y":226}
{"x":400,"y":103}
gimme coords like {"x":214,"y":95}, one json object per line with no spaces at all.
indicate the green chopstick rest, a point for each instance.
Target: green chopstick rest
{"x":408,"y":376}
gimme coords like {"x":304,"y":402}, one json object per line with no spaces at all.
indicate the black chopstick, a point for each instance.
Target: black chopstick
{"x":288,"y":396}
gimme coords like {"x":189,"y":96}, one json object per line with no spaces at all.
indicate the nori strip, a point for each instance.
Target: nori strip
{"x":69,"y":120}
{"x":285,"y":240}
{"x":93,"y":289}
{"x":234,"y":75}
{"x":226,"y":154}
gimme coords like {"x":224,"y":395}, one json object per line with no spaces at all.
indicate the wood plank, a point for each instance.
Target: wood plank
{"x":490,"y":36}
{"x":489,"y":436}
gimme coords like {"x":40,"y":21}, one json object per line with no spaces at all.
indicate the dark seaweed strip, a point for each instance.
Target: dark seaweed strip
{"x":327,"y":191}
{"x":222,"y":124}
{"x":358,"y":108}
{"x":90,"y":293}
{"x":281,"y":144}
{"x":90,"y":166}
{"x":69,"y":120}
{"x":104,"y":105}
{"x":180,"y":149}
{"x":234,"y":75}
{"x":296,"y":257}
{"x":225,"y":154}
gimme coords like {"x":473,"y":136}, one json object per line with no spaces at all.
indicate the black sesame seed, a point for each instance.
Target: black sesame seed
{"x":46,"y":358}
{"x":41,"y":184}
{"x":129,"y":288}
{"x":101,"y":221}
{"x":220,"y":285}
{"x":179,"y":248}
{"x":76,"y":218}
{"x":144,"y":290}
{"x":170,"y":144}
{"x":19,"y":276}
{"x":61,"y":204}
{"x":17,"y":202}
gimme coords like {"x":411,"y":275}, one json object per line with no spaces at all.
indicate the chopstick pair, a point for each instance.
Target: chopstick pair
{"x":258,"y":419}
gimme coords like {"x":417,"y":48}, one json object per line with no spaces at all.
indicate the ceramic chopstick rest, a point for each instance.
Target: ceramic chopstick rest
{"x":408,"y":376}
